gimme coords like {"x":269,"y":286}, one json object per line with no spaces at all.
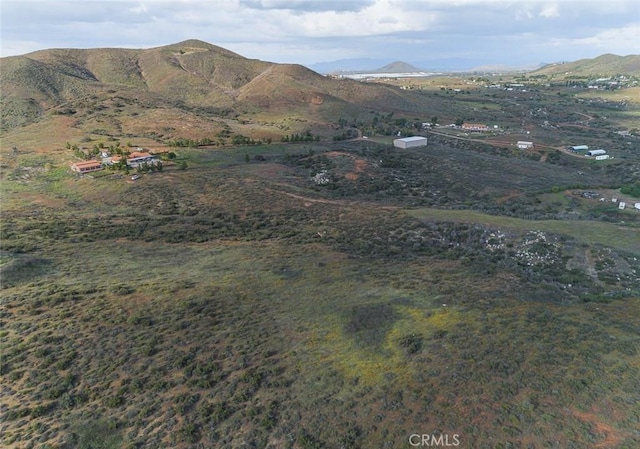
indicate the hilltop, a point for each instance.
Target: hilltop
{"x":604,"y":65}
{"x":398,"y":67}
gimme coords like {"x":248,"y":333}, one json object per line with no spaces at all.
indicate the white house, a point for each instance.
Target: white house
{"x":410,"y":142}
{"x":622,"y":205}
{"x":138,"y":158}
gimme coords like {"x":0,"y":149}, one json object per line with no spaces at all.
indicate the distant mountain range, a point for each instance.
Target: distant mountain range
{"x":607,"y":64}
{"x":447,"y":65}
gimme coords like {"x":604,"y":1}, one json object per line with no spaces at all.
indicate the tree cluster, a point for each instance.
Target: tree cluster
{"x":304,"y":137}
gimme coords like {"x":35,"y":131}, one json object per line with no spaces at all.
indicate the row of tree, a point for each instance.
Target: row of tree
{"x":304,"y":137}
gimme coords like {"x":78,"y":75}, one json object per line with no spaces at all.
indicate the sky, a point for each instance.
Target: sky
{"x":512,"y":33}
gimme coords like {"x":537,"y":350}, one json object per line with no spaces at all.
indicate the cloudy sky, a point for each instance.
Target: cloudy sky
{"x":312,"y":31}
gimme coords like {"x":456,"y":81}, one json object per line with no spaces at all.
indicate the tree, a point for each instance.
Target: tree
{"x":434,"y":120}
{"x":459,"y":122}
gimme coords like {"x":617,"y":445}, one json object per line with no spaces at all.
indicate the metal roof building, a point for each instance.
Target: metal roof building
{"x":410,"y":142}
{"x":577,"y":148}
{"x":524,"y":145}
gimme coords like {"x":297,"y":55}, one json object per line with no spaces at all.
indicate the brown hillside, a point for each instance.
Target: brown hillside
{"x":190,"y":75}
{"x":604,"y":65}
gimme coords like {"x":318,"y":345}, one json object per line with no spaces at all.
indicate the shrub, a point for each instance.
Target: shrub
{"x":122,"y":290}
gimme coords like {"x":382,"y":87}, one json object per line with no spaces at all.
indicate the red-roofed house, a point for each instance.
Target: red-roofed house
{"x":138,"y":158}
{"x":139,"y":155}
{"x":86,"y":166}
{"x":474,"y":127}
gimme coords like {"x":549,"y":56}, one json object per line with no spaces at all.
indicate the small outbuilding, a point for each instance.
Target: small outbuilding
{"x":524,"y":145}
{"x":410,"y":142}
{"x":579,"y":148}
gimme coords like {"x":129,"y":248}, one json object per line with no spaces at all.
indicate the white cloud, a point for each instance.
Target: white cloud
{"x":314,"y":30}
{"x":380,"y":17}
{"x":139,"y":9}
{"x":550,"y":10}
{"x":624,"y":40}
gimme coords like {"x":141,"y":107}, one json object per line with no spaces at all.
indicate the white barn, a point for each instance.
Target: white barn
{"x":410,"y":142}
{"x":524,"y":145}
{"x":596,"y":152}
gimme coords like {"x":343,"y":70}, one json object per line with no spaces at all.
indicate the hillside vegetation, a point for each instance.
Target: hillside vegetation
{"x":187,"y":75}
{"x":604,"y":65}
{"x":287,"y":278}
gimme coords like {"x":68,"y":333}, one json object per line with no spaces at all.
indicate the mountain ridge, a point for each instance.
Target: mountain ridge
{"x":606,"y":64}
{"x":466,"y":65}
{"x":192,"y":76}
{"x":188,"y":74}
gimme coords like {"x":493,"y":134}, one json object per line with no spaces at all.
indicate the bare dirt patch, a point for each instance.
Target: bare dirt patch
{"x":359,"y":165}
{"x":508,"y":196}
{"x":271,"y":170}
{"x":41,"y":199}
{"x":611,"y":437}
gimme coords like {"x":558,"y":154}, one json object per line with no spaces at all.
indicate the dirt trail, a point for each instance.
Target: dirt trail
{"x":308,"y":201}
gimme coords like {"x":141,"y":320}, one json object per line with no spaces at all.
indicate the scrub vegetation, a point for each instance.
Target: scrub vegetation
{"x":324,"y":292}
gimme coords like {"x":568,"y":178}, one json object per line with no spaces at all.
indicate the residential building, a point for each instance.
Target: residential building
{"x":86,"y":166}
{"x":136,"y":159}
{"x":474,"y":127}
